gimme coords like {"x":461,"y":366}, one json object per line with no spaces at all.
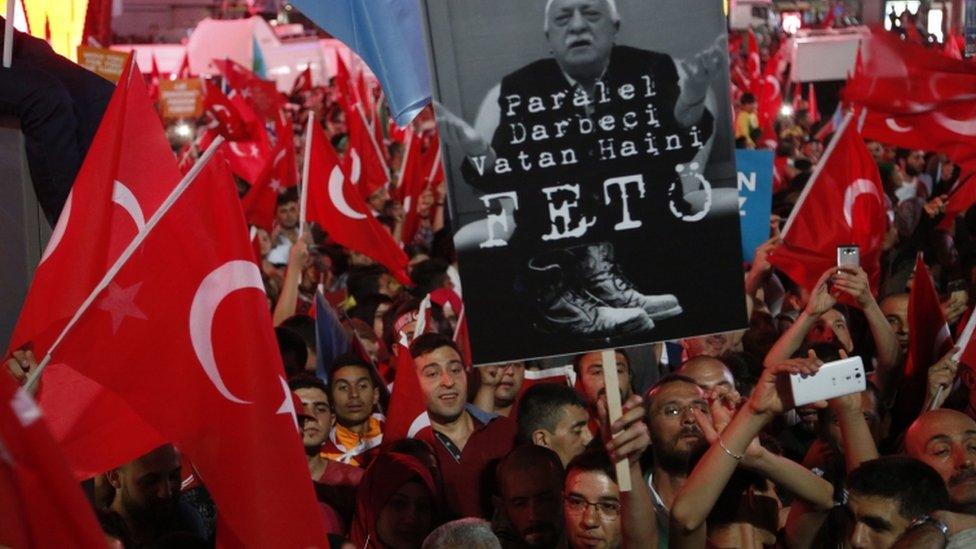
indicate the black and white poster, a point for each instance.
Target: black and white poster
{"x":591,"y":172}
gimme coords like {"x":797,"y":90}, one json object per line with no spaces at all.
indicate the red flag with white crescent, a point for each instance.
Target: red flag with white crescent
{"x":192,"y":351}
{"x":335,"y":205}
{"x":407,"y":416}
{"x":112,"y":198}
{"x":845,"y":204}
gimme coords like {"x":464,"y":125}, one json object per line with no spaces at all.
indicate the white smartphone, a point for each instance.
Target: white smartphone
{"x":834,"y":379}
{"x":848,"y":255}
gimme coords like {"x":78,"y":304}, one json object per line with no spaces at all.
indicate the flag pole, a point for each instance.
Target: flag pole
{"x":8,"y":36}
{"x":611,"y":384}
{"x":126,"y":254}
{"x":816,"y":171}
{"x":303,"y":201}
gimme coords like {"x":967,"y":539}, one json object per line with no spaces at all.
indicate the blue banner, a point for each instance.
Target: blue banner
{"x":755,"y":182}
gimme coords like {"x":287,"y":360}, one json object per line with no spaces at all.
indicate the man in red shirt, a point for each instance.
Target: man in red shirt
{"x":468,"y":440}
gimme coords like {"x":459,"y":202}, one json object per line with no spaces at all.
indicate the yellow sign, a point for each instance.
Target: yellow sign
{"x":60,"y":22}
{"x":108,"y":64}
{"x":181,"y":98}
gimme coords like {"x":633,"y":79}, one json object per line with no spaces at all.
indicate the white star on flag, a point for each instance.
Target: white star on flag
{"x":120,"y":303}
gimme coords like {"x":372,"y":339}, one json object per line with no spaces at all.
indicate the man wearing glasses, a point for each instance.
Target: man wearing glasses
{"x":597,"y":514}
{"x":676,"y":441}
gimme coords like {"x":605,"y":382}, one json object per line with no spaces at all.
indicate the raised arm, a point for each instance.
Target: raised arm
{"x":630,"y":440}
{"x":288,"y":298}
{"x":854,"y":282}
{"x":820,"y":302}
{"x":731,"y":446}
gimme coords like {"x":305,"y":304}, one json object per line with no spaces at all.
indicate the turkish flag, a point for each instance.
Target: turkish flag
{"x":949,"y":129}
{"x":363,"y":160}
{"x":951,"y":47}
{"x":412,"y":182}
{"x":303,"y":82}
{"x":814,"y":111}
{"x":753,"y":64}
{"x":285,"y":139}
{"x":154,"y":80}
{"x":770,"y":99}
{"x":559,"y":374}
{"x":261,"y":200}
{"x":348,"y":96}
{"x":928,"y":340}
{"x":184,"y":70}
{"x":227,"y":120}
{"x":261,"y":94}
{"x":407,"y":416}
{"x":41,"y":504}
{"x":334,"y":204}
{"x":845,"y":204}
{"x":111,"y":199}
{"x":902,"y":77}
{"x":192,"y":350}
{"x":247,"y":156}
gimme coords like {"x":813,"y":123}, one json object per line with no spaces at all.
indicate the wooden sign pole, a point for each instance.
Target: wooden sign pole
{"x":614,"y":409}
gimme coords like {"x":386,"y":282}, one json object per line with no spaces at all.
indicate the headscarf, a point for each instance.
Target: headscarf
{"x":385,"y":475}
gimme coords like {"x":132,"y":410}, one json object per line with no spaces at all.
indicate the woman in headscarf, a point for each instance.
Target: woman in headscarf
{"x":397,"y":504}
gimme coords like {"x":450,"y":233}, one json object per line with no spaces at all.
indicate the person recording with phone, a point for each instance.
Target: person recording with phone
{"x":823,"y":320}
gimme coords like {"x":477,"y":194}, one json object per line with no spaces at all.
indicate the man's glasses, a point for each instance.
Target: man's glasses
{"x":673,"y":410}
{"x":608,"y":509}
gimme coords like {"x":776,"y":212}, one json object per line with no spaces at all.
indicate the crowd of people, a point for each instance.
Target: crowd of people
{"x":523,"y":454}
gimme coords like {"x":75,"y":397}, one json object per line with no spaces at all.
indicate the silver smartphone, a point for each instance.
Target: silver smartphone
{"x":848,"y":255}
{"x":834,"y":379}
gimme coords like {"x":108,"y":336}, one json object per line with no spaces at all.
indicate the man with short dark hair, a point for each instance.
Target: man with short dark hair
{"x":285,"y":232}
{"x":147,"y":497}
{"x":529,"y":481}
{"x":887,"y":495}
{"x":356,"y":437}
{"x":467,"y":439}
{"x":589,"y":375}
{"x":555,"y":417}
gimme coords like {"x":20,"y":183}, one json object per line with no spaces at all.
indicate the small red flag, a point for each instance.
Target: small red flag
{"x":845,"y":204}
{"x":41,"y":504}
{"x":335,"y":205}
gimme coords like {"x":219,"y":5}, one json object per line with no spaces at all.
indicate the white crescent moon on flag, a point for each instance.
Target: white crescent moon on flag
{"x":252,"y":149}
{"x":58,"y":233}
{"x":356,"y":169}
{"x":967,"y":127}
{"x":122,"y":196}
{"x":221,"y":282}
{"x":336,"y":181}
{"x":854,"y":190}
{"x":218,"y":108}
{"x":770,"y":79}
{"x":419,"y":422}
{"x":894,"y":126}
{"x":279,"y":157}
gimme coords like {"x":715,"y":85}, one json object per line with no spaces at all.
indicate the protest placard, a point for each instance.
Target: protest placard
{"x":591,"y":172}
{"x":104,"y":62}
{"x":755,"y":183}
{"x":181,"y":98}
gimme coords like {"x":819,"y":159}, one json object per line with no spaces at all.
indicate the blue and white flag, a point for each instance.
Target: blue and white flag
{"x":388,"y":35}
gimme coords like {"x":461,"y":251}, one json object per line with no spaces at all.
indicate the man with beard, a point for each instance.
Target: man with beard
{"x":285,"y":233}
{"x":676,"y":441}
{"x":147,"y":498}
{"x":530,"y":482}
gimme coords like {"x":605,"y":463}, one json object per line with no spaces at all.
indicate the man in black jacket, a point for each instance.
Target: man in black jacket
{"x":59,"y":105}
